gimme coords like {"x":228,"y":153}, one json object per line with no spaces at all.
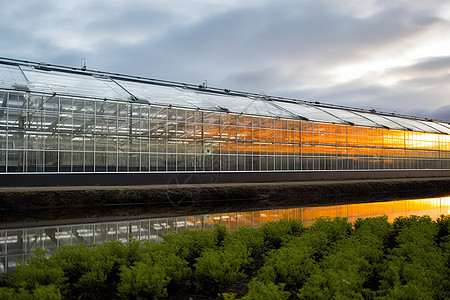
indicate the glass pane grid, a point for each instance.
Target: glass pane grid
{"x":55,"y":133}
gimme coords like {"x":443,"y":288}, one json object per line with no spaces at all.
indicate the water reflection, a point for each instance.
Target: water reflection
{"x":21,"y":243}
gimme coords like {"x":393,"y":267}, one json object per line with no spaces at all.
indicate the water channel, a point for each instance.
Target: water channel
{"x":19,"y":243}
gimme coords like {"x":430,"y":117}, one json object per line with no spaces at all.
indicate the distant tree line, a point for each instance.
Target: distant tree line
{"x":331,"y":259}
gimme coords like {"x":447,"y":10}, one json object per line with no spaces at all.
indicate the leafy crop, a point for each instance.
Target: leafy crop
{"x":331,"y":259}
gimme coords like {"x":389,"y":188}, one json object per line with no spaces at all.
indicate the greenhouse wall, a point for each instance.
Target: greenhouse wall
{"x":42,"y":133}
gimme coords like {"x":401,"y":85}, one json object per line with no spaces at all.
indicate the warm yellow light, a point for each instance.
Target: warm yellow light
{"x":180,"y":139}
{"x":445,"y":201}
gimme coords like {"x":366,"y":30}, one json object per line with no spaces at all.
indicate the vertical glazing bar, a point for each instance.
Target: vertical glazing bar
{"x":404,"y":158}
{"x":58,"y":234}
{"x":313,"y":144}
{"x":220,"y":139}
{"x":117,"y":136}
{"x":235,"y":154}
{"x":58,"y":151}
{"x":166,"y":139}
{"x":7,"y":136}
{"x":70,"y":112}
{"x":94,"y":137}
{"x":251,"y":143}
{"x":84,"y":129}
{"x":202,"y":152}
{"x":25,"y":136}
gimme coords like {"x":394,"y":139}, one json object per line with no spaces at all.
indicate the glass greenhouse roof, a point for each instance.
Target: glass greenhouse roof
{"x":64,"y":81}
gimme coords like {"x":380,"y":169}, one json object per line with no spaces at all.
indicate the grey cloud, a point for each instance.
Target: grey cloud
{"x":255,"y":80}
{"x":419,"y":98}
{"x":245,"y":40}
{"x":427,"y":82}
{"x":281,"y":48}
{"x":273,"y":34}
{"x":432,"y":66}
{"x":441,"y":113}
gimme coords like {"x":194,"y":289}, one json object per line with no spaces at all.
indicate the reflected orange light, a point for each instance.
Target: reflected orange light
{"x":433,"y":207}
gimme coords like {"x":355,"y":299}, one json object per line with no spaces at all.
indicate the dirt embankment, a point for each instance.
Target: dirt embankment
{"x":294,"y":193}
{"x":64,"y":205}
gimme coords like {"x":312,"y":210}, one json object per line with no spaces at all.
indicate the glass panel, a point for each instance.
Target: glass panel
{"x":437,"y":126}
{"x":11,"y":77}
{"x":15,"y":242}
{"x":192,"y":99}
{"x":66,"y":235}
{"x":411,"y":124}
{"x":309,"y":112}
{"x":73,"y":84}
{"x":158,"y":94}
{"x":351,"y":117}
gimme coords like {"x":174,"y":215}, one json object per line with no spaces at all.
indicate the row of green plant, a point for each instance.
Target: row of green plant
{"x":370,"y":259}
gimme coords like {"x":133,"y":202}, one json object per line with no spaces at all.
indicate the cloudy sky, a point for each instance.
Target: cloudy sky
{"x":388,"y":55}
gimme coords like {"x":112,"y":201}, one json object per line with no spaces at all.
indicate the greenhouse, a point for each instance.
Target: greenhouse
{"x":56,"y":119}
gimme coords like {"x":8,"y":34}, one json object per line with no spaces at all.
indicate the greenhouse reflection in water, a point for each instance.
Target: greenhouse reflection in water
{"x":19,"y":244}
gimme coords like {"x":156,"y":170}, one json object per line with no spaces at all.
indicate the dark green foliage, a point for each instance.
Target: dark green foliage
{"x":334,"y":229}
{"x":9,"y":293}
{"x":379,"y":227}
{"x":216,"y":270}
{"x":342,"y":272}
{"x":38,"y":270}
{"x":416,"y":264}
{"x":294,"y":263}
{"x":131,"y":253}
{"x":189,"y":244}
{"x":403,"y":222}
{"x":261,"y":291}
{"x":40,"y":292}
{"x":290,"y":265}
{"x":149,"y":277}
{"x":408,"y":259}
{"x":221,"y":233}
{"x":251,"y":238}
{"x":48,"y":292}
{"x":443,"y":241}
{"x":86,"y":268}
{"x":278,"y":233}
{"x":143,"y":281}
{"x":443,"y":234}
{"x":162,"y":255}
{"x":372,"y":235}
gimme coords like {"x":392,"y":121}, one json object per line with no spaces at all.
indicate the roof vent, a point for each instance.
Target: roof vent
{"x":302,"y":118}
{"x":204,"y":85}
{"x":221,"y":108}
{"x":21,"y":87}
